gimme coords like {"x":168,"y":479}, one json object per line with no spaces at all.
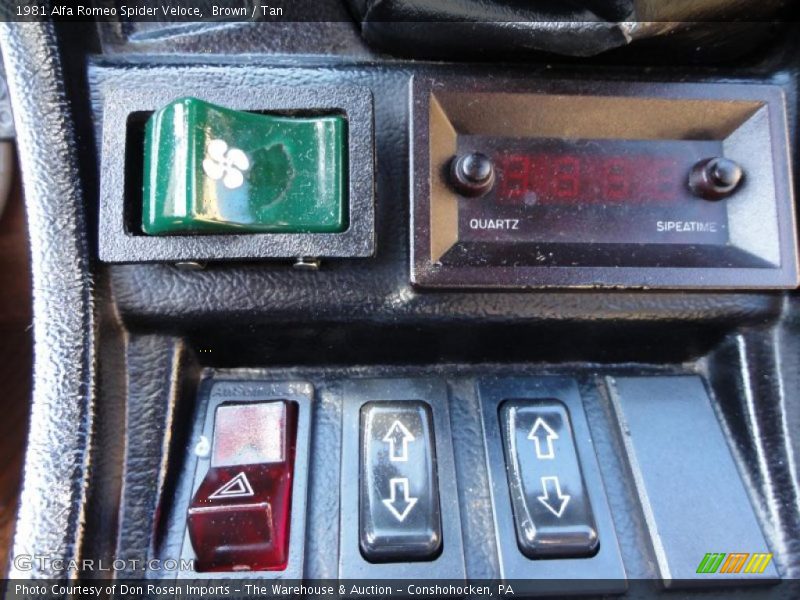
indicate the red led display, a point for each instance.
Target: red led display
{"x":532,"y":179}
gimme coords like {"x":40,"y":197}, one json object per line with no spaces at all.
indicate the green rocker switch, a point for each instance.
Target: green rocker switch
{"x":209,"y":169}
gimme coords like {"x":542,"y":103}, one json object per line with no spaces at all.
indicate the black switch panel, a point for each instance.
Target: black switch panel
{"x":552,"y":513}
{"x":373,"y":543}
{"x":399,"y":517}
{"x":578,"y":552}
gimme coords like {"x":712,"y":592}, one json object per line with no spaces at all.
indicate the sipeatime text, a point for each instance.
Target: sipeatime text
{"x":687,"y":226}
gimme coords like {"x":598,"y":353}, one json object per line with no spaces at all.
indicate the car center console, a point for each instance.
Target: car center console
{"x":332,"y":316}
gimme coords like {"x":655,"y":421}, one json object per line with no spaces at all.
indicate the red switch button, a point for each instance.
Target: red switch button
{"x":239,"y":516}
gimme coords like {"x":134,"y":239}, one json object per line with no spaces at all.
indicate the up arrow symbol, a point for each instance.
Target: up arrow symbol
{"x":398,"y":438}
{"x":561,"y":500}
{"x":543,"y":435}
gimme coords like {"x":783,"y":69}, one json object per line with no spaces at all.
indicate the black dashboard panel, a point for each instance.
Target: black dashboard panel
{"x":351,"y":299}
{"x":139,"y":346}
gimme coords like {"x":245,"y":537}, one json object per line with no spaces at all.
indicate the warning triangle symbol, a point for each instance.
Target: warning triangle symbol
{"x":238,"y":487}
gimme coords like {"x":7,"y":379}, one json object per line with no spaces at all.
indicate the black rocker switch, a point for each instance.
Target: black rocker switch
{"x":399,"y":519}
{"x":552,"y":513}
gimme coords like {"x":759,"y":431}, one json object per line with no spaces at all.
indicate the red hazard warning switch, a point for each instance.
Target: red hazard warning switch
{"x":239,"y":516}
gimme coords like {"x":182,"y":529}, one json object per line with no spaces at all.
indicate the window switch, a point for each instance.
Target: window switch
{"x":210,"y":169}
{"x":239,"y":516}
{"x":399,"y":494}
{"x":553,"y":517}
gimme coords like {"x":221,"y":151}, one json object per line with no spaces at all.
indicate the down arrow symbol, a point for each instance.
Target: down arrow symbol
{"x":557,"y":508}
{"x":399,"y":507}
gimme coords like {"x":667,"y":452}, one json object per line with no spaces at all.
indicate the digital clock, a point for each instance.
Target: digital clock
{"x":595,"y":190}
{"x":562,"y":183}
{"x":558,"y":172}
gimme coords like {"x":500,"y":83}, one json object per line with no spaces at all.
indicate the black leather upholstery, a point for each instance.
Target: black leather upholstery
{"x":487,"y":29}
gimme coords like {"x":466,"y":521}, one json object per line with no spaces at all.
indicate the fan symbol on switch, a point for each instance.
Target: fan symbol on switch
{"x":238,"y":487}
{"x":225,"y":163}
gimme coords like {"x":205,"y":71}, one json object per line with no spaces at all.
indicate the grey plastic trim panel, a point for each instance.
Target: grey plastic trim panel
{"x":449,"y":564}
{"x":118,"y":245}
{"x":602,"y":573}
{"x":691,"y":493}
{"x":260,"y":391}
